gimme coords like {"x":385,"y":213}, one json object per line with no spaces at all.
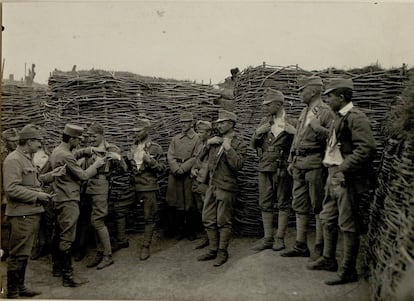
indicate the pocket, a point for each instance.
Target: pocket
{"x":29,"y":176}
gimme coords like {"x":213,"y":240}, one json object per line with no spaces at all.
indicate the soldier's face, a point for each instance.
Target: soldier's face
{"x":335,"y":102}
{"x":74,"y":142}
{"x":203,"y":133}
{"x":95,"y":139}
{"x":224,"y":126}
{"x":307,"y":94}
{"x":34,"y":145}
{"x":186,"y":125}
{"x":274,"y":107}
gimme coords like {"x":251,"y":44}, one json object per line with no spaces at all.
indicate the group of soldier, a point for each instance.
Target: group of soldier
{"x":318,"y":165}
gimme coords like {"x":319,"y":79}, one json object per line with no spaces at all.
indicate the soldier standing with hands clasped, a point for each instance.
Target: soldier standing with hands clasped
{"x":226,"y":155}
{"x":349,"y":155}
{"x":25,"y":201}
{"x":272,"y":141}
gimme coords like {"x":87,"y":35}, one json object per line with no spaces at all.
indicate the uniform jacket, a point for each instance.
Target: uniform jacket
{"x":357,"y":145}
{"x":99,"y":183}
{"x":200,"y":184}
{"x":224,"y":168}
{"x":273,"y":151}
{"x":180,"y":151}
{"x":67,"y":187}
{"x":146,"y":178}
{"x":310,"y":143}
{"x":21,"y":184}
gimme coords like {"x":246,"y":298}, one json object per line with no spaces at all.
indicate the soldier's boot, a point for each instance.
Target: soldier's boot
{"x":282,"y":224}
{"x":180,"y":224}
{"x":267,"y":241}
{"x":348,"y":272}
{"x":56,"y":263}
{"x":327,"y":261}
{"x":222,"y":255}
{"x":203,"y":243}
{"x":121,"y":237}
{"x":23,"y":290}
{"x":96,"y":260}
{"x":68,"y":279}
{"x":148,"y":234}
{"x":107,"y":260}
{"x":191,"y":225}
{"x":301,"y":248}
{"x":212,"y":235}
{"x":12,"y":284}
{"x":319,"y":238}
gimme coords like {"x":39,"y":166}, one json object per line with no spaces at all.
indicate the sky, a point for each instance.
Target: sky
{"x":203,"y":40}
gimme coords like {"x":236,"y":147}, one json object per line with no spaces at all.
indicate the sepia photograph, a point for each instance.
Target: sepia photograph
{"x":207,"y":150}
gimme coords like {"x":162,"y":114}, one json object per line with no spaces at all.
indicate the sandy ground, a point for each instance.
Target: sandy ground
{"x":173,"y":273}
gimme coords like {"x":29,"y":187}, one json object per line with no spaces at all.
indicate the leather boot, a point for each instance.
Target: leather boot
{"x":328,"y":261}
{"x":213,"y":240}
{"x":121,"y":237}
{"x":348,"y":272}
{"x":319,"y":240}
{"x":299,"y":250}
{"x":282,"y":224}
{"x":222,"y":257}
{"x":97,"y":259}
{"x":56,"y":263}
{"x":190,"y":225}
{"x":267,"y":241}
{"x":12,"y":284}
{"x":105,"y":262}
{"x":23,"y":290}
{"x":67,"y":279}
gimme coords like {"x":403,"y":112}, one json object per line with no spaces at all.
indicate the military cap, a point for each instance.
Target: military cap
{"x":96,"y":128}
{"x":140,"y":124}
{"x":306,"y":81}
{"x":186,"y":116}
{"x":10,"y":135}
{"x":30,"y":131}
{"x":271,"y":95}
{"x":234,"y":71}
{"x":226,"y":115}
{"x":335,"y":83}
{"x":73,"y":130}
{"x":202,"y":124}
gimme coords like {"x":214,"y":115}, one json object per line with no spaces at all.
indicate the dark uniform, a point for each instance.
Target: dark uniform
{"x":308,"y":173}
{"x":275,"y":184}
{"x":67,"y":190}
{"x":349,"y":155}
{"x":146,"y":172}
{"x":24,"y":207}
{"x":179,"y":191}
{"x":223,"y":166}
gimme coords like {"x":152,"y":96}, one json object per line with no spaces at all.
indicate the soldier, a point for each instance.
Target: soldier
{"x":97,"y":190}
{"x":25,"y":201}
{"x":179,"y":191}
{"x":226,"y":155}
{"x":67,"y":189}
{"x":199,"y":173}
{"x":308,"y":173}
{"x":10,"y":139}
{"x":147,"y":164}
{"x":349,"y":155}
{"x":272,"y":141}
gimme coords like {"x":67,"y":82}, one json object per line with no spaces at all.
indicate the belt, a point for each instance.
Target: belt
{"x":309,"y":151}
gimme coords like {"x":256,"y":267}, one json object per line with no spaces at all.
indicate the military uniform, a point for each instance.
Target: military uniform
{"x":24,"y":208}
{"x":275,"y":184}
{"x":179,"y":191}
{"x":67,"y":190}
{"x":146,"y":181}
{"x":349,"y":155}
{"x":223,"y":167}
{"x":308,"y":173}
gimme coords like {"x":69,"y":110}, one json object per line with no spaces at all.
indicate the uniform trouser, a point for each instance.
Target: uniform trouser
{"x":23,"y":230}
{"x":218,"y":214}
{"x":308,"y":190}
{"x":274,"y":187}
{"x":67,"y":214}
{"x":98,"y":215}
{"x":338,"y":207}
{"x":5,"y":231}
{"x":149,"y":198}
{"x":83,"y":224}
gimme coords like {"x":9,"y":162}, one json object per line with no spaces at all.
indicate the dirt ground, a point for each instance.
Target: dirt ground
{"x":173,"y":273}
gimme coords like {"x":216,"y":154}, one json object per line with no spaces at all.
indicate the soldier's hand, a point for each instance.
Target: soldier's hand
{"x":99,"y":162}
{"x":290,"y":168}
{"x":43,"y":197}
{"x":226,"y":144}
{"x":215,"y":140}
{"x":264,"y":128}
{"x":59,"y":171}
